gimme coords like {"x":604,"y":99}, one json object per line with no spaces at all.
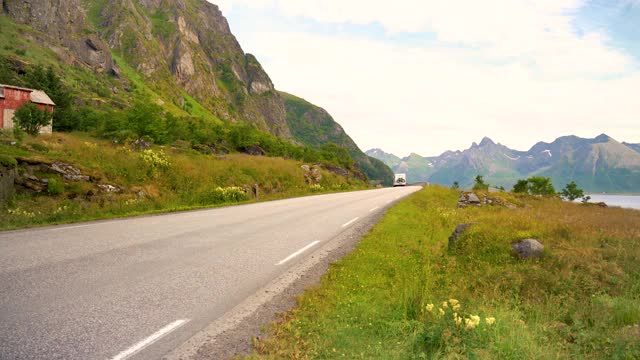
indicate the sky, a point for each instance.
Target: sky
{"x":427,"y":76}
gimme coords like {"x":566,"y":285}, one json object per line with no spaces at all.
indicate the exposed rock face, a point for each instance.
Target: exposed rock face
{"x":460,"y":229}
{"x":312,"y":174}
{"x":528,"y":248}
{"x":7,"y":178}
{"x":63,"y":22}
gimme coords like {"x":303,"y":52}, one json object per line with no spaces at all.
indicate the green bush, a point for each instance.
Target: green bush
{"x":55,"y":186}
{"x":30,"y":118}
{"x":480,"y":184}
{"x":39,"y":147}
{"x":535,"y":185}
{"x":572,"y":192}
{"x":7,"y":161}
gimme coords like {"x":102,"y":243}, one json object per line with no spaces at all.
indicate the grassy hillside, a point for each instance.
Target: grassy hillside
{"x":157,"y":179}
{"x":398,"y":295}
{"x":313,"y":126}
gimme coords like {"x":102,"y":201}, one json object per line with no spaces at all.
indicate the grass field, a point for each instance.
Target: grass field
{"x":402,"y":294}
{"x":159,"y":179}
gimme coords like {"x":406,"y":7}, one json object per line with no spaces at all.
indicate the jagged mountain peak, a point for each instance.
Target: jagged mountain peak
{"x":596,"y":164}
{"x":486,"y":141}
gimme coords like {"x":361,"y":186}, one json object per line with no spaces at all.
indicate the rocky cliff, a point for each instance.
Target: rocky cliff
{"x":181,"y":48}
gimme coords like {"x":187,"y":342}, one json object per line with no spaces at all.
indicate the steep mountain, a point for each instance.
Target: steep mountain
{"x":179,"y":54}
{"x":598,"y":165}
{"x":314,"y":126}
{"x":387,"y":158}
{"x":635,"y":147}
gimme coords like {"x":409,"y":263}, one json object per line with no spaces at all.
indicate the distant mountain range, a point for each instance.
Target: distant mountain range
{"x":601,"y":164}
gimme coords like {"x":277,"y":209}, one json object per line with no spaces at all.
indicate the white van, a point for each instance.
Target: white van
{"x":400,"y":180}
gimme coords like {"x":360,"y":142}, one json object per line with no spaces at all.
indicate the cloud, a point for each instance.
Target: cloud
{"x":522,"y":74}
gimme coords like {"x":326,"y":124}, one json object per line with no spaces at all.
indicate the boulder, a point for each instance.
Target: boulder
{"x":254,"y":150}
{"x":7,"y":178}
{"x":456,"y":233}
{"x":472,"y":198}
{"x":528,"y":248}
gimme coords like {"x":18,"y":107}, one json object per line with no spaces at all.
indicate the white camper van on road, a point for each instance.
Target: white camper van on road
{"x":400,"y":180}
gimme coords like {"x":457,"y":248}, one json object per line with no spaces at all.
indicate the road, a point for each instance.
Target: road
{"x":139,"y":287}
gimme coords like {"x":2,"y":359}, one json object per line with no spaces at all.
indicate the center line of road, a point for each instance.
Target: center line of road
{"x":298,"y":252}
{"x":350,"y":222}
{"x":150,"y":340}
{"x":374,"y":209}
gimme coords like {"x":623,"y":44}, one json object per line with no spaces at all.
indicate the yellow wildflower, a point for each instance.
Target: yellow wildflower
{"x":457,"y":319}
{"x":490,"y":320}
{"x":455,"y":307}
{"x":441,"y":312}
{"x":453,"y":302}
{"x":445,"y":305}
{"x":429,"y":307}
{"x":472,"y":322}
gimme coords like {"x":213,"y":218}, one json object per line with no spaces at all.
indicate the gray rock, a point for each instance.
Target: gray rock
{"x":460,"y":229}
{"x":528,"y":248}
{"x":7,"y":178}
{"x":69,"y":171}
{"x":473,"y":199}
{"x":109,"y":188}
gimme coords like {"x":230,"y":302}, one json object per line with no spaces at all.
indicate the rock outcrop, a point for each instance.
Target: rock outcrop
{"x":64,"y":24}
{"x":528,"y":248}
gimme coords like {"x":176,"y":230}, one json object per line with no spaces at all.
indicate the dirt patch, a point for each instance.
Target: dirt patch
{"x":232,"y":334}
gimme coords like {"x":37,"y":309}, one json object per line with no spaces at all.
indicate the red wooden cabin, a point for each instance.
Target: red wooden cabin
{"x":13,"y":97}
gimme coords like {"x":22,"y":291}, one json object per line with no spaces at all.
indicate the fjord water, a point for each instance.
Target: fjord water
{"x":625,"y":201}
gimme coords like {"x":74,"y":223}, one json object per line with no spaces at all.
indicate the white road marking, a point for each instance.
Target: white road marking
{"x":150,"y":340}
{"x":350,"y":222}
{"x":374,"y":209}
{"x":298,"y":252}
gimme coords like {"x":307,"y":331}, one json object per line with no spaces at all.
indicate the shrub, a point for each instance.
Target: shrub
{"x":8,"y":161}
{"x":539,"y":185}
{"x":572,"y":192}
{"x":39,"y":147}
{"x":480,"y":184}
{"x":520,"y":186}
{"x":535,"y":185}
{"x":30,"y":118}
{"x":55,"y":187}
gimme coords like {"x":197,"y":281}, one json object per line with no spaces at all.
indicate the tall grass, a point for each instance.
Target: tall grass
{"x":156,"y":180}
{"x":384,"y":300}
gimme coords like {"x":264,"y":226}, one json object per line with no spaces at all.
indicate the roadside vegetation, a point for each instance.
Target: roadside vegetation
{"x":130,"y":178}
{"x":403,"y":294}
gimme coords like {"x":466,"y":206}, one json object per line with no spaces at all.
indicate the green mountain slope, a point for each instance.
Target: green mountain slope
{"x":389,"y":159}
{"x":314,"y":126}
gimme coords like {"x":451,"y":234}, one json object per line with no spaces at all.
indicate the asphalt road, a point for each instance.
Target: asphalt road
{"x":139,"y":287}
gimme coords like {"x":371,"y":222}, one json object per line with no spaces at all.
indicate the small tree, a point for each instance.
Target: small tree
{"x":520,"y":186}
{"x":30,"y":118}
{"x":572,"y":192}
{"x":480,"y":185}
{"x":456,"y":185}
{"x":539,"y":185}
{"x":535,"y":185}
